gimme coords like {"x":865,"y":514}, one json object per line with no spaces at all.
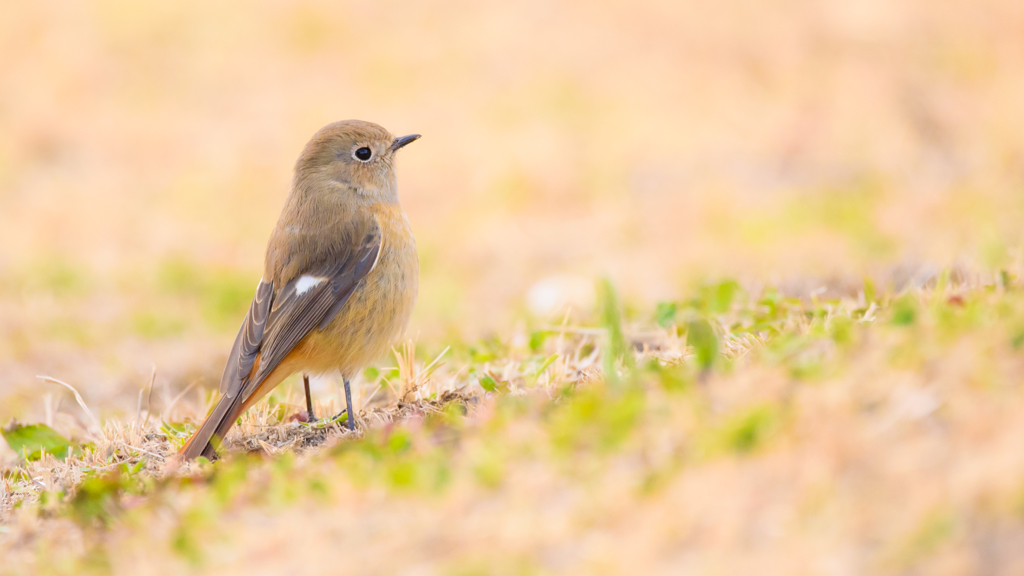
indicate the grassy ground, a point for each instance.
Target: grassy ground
{"x":726,"y":433}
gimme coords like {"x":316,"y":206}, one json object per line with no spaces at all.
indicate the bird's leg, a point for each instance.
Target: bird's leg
{"x":348,"y":406}
{"x":309,"y":399}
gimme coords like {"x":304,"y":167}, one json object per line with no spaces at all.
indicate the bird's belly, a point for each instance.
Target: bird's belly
{"x":374,"y":317}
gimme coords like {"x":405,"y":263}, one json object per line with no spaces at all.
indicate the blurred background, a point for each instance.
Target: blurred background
{"x":146,"y":151}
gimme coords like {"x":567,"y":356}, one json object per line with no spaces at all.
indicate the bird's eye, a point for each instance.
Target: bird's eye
{"x":363,"y":154}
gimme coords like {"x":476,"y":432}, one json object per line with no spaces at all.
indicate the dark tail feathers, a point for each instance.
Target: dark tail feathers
{"x":216,"y":426}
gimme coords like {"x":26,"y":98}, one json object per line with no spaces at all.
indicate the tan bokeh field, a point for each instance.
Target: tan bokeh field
{"x":146,"y":150}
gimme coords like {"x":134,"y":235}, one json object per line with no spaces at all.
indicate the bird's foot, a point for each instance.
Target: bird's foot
{"x":306,"y":419}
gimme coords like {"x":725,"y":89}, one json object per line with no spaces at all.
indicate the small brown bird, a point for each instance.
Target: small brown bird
{"x":339,"y":281}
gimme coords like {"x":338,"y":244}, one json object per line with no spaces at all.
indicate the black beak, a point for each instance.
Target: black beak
{"x":399,"y":142}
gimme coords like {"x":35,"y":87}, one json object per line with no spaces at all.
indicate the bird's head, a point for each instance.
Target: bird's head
{"x":351,"y":157}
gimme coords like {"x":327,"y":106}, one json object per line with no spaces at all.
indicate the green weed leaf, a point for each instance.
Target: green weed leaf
{"x":665,"y":313}
{"x":701,"y":336}
{"x":615,"y":342}
{"x":32,"y":440}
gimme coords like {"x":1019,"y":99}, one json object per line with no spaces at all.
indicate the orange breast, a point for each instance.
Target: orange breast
{"x":378,"y":311}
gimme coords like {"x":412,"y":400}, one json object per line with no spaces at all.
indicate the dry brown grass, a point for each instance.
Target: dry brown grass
{"x":846,"y":442}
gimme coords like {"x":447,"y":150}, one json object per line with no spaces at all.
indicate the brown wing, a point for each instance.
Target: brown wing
{"x":279,"y":319}
{"x":247,"y":343}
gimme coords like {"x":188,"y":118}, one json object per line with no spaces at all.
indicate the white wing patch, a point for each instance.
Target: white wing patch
{"x":307,"y":283}
{"x":380,"y":249}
